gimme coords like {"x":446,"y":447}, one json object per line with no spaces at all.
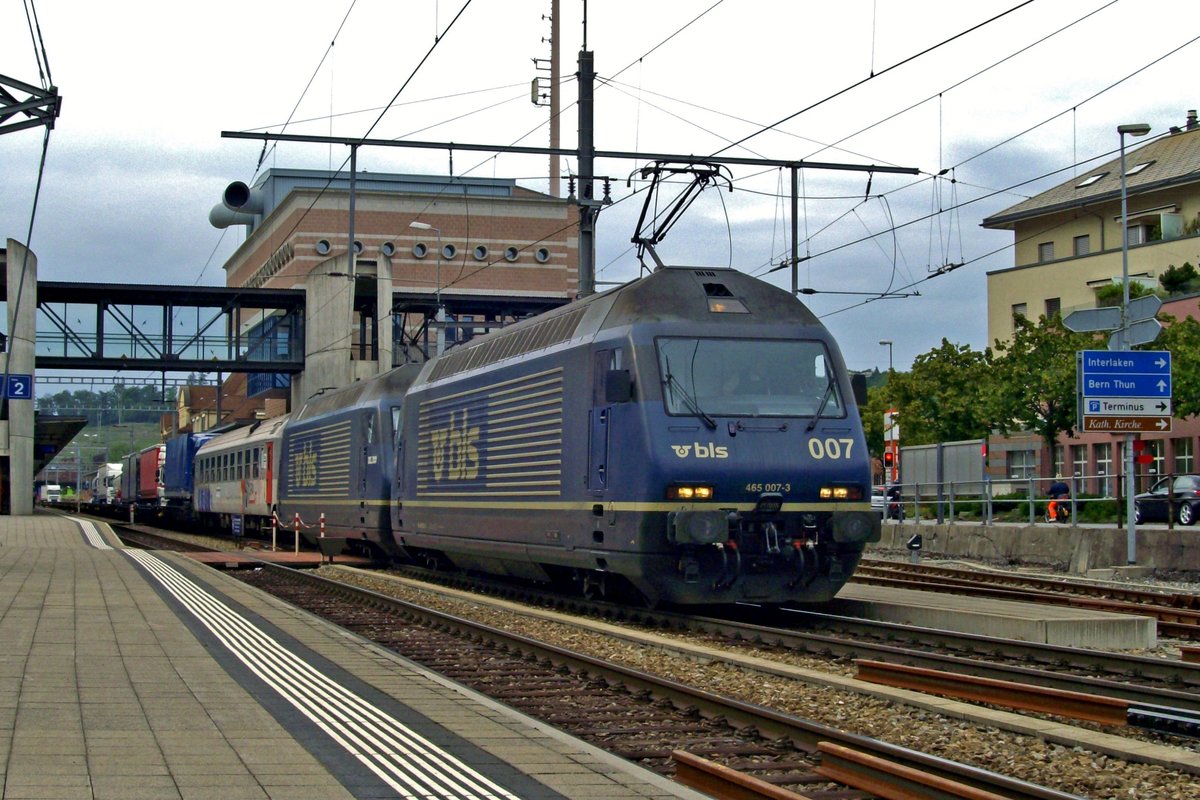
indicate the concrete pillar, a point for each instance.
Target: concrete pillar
{"x":329,"y":309}
{"x":383,"y":322}
{"x":22,"y":314}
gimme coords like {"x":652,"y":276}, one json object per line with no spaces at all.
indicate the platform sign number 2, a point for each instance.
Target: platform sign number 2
{"x":19,"y":387}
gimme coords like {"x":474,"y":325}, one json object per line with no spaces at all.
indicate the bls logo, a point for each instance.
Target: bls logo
{"x":455,"y":451}
{"x":702,"y":450}
{"x":304,"y":466}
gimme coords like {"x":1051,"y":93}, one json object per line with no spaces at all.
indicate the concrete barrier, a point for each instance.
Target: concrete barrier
{"x":1077,"y":549}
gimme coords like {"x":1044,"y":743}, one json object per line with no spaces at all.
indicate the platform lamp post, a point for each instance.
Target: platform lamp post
{"x":1133,"y":129}
{"x":440,"y":315}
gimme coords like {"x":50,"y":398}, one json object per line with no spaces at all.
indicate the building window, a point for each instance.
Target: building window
{"x":1053,"y":306}
{"x":1089,"y":180}
{"x":1046,"y":251}
{"x":1136,"y":168}
{"x":1140,"y":234}
{"x":1058,"y":461}
{"x":1185,"y":459}
{"x":1157,"y":452}
{"x":1020,"y":310}
{"x":1020,"y":463}
{"x":1104,"y":468}
{"x":1082,"y":245}
{"x":1079,"y":460}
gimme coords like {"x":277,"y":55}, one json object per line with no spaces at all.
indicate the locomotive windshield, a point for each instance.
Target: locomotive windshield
{"x":748,"y":378}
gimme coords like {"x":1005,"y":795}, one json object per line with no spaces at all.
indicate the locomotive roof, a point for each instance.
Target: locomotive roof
{"x":681,"y":294}
{"x":392,"y":383}
{"x":685,"y":294}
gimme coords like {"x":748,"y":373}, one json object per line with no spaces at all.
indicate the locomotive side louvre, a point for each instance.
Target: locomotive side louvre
{"x":499,"y":440}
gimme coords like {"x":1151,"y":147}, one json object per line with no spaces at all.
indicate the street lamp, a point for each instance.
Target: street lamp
{"x":440,"y":315}
{"x":888,"y":343}
{"x":1132,"y":129}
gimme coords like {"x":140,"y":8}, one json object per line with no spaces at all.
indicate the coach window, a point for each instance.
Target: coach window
{"x":255,"y":462}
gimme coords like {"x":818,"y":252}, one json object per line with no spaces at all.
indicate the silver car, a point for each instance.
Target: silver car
{"x":878,"y":500}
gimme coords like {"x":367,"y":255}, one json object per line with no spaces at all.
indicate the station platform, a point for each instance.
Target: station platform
{"x":129,"y":674}
{"x":1030,"y":622}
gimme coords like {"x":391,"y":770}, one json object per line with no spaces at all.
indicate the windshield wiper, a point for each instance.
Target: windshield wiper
{"x":812,"y":423}
{"x":671,"y":381}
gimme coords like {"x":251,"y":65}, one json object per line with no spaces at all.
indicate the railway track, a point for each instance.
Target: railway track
{"x":1176,"y":614}
{"x":635,"y":715}
{"x":1135,"y":679}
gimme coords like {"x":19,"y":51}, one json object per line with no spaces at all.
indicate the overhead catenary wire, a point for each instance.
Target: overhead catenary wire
{"x":39,"y":46}
{"x":873,"y":76}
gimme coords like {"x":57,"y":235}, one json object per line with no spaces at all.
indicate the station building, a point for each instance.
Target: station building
{"x":437,"y":260}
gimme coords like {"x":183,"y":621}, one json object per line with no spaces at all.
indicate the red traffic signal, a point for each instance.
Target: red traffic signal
{"x":889,"y":459}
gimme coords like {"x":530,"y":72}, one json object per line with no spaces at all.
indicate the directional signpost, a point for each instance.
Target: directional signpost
{"x":1124,"y":391}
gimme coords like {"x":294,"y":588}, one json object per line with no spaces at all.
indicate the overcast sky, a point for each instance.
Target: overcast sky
{"x":136,"y":160}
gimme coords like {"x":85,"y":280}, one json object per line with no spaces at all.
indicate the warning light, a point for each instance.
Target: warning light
{"x":889,"y":459}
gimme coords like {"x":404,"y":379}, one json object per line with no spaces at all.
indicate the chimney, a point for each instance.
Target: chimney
{"x":1192,"y":124}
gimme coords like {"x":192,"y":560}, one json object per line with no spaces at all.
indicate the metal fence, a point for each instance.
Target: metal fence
{"x":1023,"y":498}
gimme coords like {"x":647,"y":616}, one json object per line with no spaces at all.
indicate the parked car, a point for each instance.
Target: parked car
{"x":878,"y":500}
{"x":1158,"y":505}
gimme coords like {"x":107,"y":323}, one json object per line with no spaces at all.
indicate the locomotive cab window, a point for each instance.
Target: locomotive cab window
{"x":748,"y":378}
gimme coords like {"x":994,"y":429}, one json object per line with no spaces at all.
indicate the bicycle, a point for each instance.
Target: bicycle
{"x":1062,"y":511}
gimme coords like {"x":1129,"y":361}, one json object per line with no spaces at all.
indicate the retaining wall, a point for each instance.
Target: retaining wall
{"x":1078,"y":548}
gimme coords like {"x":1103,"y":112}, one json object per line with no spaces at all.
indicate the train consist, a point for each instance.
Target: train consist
{"x":689,"y":438}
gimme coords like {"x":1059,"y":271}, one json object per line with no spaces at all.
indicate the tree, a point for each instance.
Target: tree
{"x":1032,"y":378}
{"x":1182,"y":338}
{"x":1113,"y":294}
{"x":1177,"y":280}
{"x":942,"y":398}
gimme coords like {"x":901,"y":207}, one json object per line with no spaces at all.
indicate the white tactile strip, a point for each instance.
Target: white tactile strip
{"x":92,"y":534}
{"x":412,"y":765}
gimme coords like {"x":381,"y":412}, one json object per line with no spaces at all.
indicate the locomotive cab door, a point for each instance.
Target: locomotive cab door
{"x":611,"y":385}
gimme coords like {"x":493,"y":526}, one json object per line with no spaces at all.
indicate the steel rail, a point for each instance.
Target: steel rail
{"x":1181,"y":623}
{"x":1007,"y":694}
{"x":1172,"y":599}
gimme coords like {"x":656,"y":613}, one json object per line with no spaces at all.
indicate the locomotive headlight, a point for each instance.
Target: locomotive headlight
{"x":690,"y":492}
{"x":841,"y":493}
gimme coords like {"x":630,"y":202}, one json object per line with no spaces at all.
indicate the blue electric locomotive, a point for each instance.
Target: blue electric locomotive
{"x":338,"y":459}
{"x":692,"y":436}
